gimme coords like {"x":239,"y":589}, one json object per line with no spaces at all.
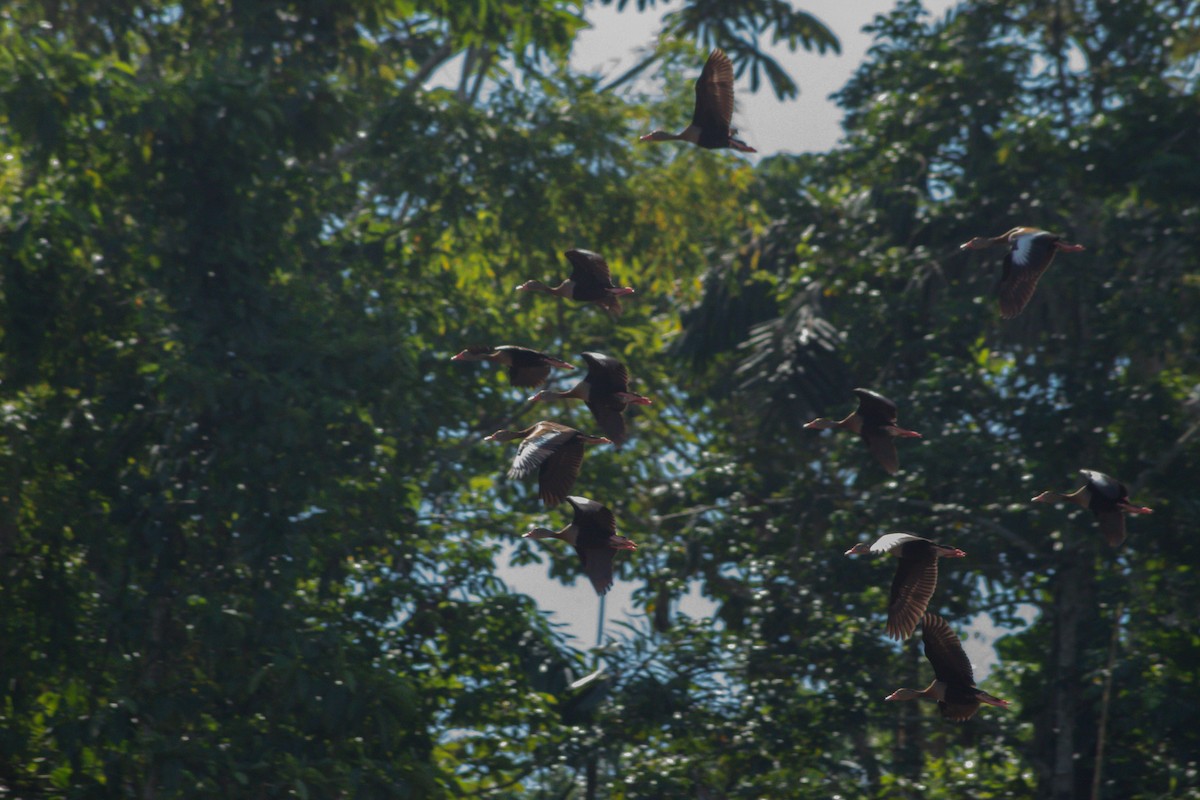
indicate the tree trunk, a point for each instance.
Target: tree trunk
{"x":1071,"y":597}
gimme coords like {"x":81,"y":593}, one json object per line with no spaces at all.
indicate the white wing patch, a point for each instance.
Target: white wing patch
{"x":536,"y":449}
{"x":1023,"y":246}
{"x":892,"y":540}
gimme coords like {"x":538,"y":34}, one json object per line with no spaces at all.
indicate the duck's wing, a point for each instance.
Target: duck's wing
{"x":589,"y":273}
{"x":883,"y":447}
{"x":1112,"y":525}
{"x":1106,"y":486}
{"x":959,"y":704}
{"x":874,"y":408}
{"x":1024,"y":264}
{"x":606,"y":374}
{"x":890,"y":541}
{"x":559,"y":470}
{"x":543,"y":442}
{"x":526,"y":367}
{"x":610,"y":417}
{"x":596,"y":524}
{"x":912,"y":588}
{"x":597,"y":563}
{"x":591,"y":516}
{"x":714,"y":93}
{"x":945,"y":653}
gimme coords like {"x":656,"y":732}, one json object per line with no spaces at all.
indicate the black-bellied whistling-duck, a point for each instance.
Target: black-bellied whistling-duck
{"x":593,"y":534}
{"x":916,"y":577}
{"x":875,"y":421}
{"x":713,"y":112}
{"x":1104,"y":496}
{"x":554,"y":450}
{"x":605,"y":389}
{"x":953,"y":687}
{"x":590,"y":282}
{"x":1031,"y":251}
{"x":525,"y":367}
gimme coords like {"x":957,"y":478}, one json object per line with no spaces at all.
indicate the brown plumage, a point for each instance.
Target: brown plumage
{"x":605,"y":390}
{"x":713,"y":112}
{"x":525,"y":367}
{"x":593,"y":533}
{"x":875,"y":421}
{"x":953,"y":687}
{"x":554,"y":451}
{"x":1030,"y":252}
{"x":1106,"y":497}
{"x":916,"y":577}
{"x":590,"y":282}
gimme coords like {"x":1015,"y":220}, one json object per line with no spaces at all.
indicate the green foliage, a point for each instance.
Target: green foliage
{"x":249,"y":528}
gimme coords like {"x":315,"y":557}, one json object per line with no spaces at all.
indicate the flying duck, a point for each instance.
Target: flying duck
{"x":1030,"y":252}
{"x":593,"y":534}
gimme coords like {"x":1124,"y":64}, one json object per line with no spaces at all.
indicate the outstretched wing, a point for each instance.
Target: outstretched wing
{"x":945,"y":652}
{"x":597,"y":564}
{"x":1112,"y":525}
{"x":596,"y":524}
{"x":883,"y":447}
{"x":609,"y":417}
{"x":890,"y":541}
{"x":527,"y":367}
{"x":539,"y":446}
{"x":1024,"y":264}
{"x":912,"y":588}
{"x":606,"y":374}
{"x":589,"y":273}
{"x":714,"y":93}
{"x":874,"y":408}
{"x":1106,"y":486}
{"x":559,"y":471}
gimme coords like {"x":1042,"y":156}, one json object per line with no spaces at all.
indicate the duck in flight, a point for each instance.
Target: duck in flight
{"x":713,"y":112}
{"x":1029,"y":255}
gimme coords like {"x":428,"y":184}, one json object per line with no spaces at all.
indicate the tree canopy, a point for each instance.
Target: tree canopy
{"x":249,"y":526}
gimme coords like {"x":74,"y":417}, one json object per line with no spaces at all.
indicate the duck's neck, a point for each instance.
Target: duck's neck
{"x":567,"y":534}
{"x":580,"y":392}
{"x":507,"y":435}
{"x":935,"y":692}
{"x":824,"y":424}
{"x":565,"y":289}
{"x":1080,"y":497}
{"x":689,"y":134}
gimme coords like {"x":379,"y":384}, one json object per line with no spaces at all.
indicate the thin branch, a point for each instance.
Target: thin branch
{"x":485,"y":63}
{"x":630,"y":74}
{"x":438,"y":57}
{"x":1011,"y":536}
{"x":467,"y":67}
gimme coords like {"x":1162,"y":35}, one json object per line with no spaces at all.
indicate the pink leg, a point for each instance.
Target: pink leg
{"x":634,"y":399}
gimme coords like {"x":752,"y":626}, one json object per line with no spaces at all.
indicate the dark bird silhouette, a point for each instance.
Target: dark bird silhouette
{"x":875,"y":421}
{"x":916,"y":577}
{"x":593,"y":534}
{"x":953,"y":687}
{"x":1030,"y":252}
{"x":525,"y":367}
{"x":590,"y":282}
{"x":1104,"y":496}
{"x":554,"y":451}
{"x":713,"y":113}
{"x":605,"y":390}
